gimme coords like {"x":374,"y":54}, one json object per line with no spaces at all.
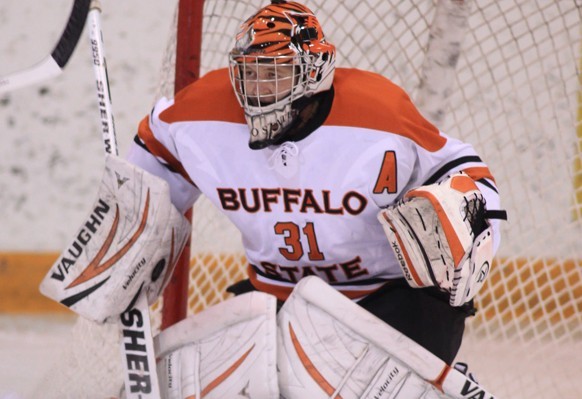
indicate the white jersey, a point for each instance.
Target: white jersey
{"x":307,"y":207}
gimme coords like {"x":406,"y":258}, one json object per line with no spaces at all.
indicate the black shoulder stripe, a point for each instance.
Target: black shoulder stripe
{"x":444,"y":170}
{"x":139,"y":142}
{"x":486,"y":182}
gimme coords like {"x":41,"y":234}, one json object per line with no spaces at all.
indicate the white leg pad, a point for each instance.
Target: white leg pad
{"x":227,"y":351}
{"x":330,"y":347}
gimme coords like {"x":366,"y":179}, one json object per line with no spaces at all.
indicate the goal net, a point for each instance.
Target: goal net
{"x":502,"y":75}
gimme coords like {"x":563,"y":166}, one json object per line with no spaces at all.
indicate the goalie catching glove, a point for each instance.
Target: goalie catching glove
{"x":441,"y":237}
{"x":129,"y":243}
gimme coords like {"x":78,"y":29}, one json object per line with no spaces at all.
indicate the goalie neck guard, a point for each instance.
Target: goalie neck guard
{"x":280,"y":60}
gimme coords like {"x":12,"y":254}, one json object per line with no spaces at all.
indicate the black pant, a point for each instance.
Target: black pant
{"x":423,"y":315}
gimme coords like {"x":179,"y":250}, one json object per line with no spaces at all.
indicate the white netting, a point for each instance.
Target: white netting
{"x":89,"y":367}
{"x":514,"y":97}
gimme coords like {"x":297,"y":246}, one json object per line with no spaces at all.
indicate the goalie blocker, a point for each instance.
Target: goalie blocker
{"x":441,"y":237}
{"x":128,"y":244}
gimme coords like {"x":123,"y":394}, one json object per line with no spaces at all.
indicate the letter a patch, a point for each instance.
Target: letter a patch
{"x":387,"y":176}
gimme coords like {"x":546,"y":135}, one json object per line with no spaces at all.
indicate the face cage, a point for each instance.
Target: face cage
{"x":263,"y":84}
{"x":266,"y":88}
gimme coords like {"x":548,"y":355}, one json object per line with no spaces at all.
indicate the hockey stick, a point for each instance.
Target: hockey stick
{"x":137,"y":345}
{"x":52,"y":65}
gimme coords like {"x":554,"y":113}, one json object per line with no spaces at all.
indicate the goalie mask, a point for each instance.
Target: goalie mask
{"x":279,"y":61}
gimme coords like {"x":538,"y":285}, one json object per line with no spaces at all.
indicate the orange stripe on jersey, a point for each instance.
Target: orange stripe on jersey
{"x":282,"y":292}
{"x":367,"y":100}
{"x":211,"y":98}
{"x":362,"y":99}
{"x":159,"y":150}
{"x":479,"y":172}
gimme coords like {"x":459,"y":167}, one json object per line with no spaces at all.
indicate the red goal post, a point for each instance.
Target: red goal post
{"x":187,"y":70}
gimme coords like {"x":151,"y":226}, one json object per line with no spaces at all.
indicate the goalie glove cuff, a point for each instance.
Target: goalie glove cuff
{"x":470,"y":276}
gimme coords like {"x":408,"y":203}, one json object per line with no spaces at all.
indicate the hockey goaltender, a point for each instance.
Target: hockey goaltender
{"x":367,"y":230}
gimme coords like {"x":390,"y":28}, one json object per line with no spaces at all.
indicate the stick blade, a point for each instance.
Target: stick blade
{"x":46,"y":69}
{"x":52,"y":65}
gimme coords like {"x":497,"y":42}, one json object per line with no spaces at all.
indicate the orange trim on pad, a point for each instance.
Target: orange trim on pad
{"x":309,"y":366}
{"x":457,"y":249}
